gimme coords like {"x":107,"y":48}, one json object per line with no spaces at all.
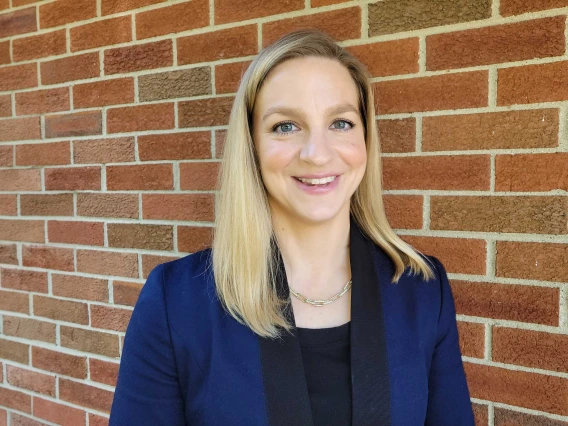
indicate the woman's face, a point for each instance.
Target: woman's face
{"x":307,"y":126}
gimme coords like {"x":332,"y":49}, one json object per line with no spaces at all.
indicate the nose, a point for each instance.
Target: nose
{"x":317,"y":149}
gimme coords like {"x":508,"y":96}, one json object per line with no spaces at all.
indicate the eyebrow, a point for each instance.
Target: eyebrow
{"x":337,"y":109}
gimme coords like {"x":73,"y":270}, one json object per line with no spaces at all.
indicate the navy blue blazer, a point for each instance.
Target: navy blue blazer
{"x":185,"y":361}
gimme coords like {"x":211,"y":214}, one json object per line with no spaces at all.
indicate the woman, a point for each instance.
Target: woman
{"x":308,"y":309}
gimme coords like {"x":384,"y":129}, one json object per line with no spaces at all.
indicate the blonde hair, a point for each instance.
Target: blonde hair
{"x":243,"y":258}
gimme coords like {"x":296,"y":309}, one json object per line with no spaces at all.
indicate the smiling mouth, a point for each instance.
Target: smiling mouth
{"x":317,"y":182}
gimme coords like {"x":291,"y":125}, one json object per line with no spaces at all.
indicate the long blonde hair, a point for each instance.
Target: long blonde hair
{"x":243,"y":259}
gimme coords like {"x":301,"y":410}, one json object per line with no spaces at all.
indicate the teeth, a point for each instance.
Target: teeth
{"x":318,"y":181}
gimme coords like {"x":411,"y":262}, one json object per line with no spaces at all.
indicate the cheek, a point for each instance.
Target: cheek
{"x":275,"y":157}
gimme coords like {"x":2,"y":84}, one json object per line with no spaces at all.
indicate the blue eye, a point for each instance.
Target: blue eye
{"x":285,"y":124}
{"x":288,"y":125}
{"x":343,"y":128}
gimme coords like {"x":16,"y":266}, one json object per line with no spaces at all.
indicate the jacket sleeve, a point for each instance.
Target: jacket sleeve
{"x":147,"y":390}
{"x":448,"y":397}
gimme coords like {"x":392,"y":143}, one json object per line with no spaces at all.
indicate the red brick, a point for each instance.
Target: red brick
{"x":15,"y":129}
{"x":27,"y":328}
{"x":75,"y":232}
{"x":5,"y":52}
{"x":14,"y":302}
{"x":58,"y":413}
{"x":95,"y":420}
{"x":18,"y":22}
{"x":108,"y":318}
{"x":519,"y":388}
{"x":60,"y":363}
{"x":539,"y":38}
{"x":43,"y":154}
{"x":228,"y":76}
{"x":241,"y":10}
{"x":101,"y":33}
{"x":8,"y":204}
{"x":107,"y":205}
{"x":76,"y":67}
{"x":140,"y":236}
{"x":205,"y":112}
{"x":342,"y":24}
{"x":150,"y":261}
{"x":139,"y":57}
{"x":404,"y":211}
{"x":387,"y":58}
{"x":103,"y":93}
{"x":20,"y":420}
{"x":90,"y":341}
{"x":200,"y":176}
{"x":46,"y":204}
{"x":22,"y":230}
{"x":73,"y":179}
{"x":124,"y":293}
{"x":85,"y":395}
{"x":4,"y":413}
{"x":437,"y":172}
{"x":521,"y":303}
{"x":175,"y":146}
{"x":13,"y":351}
{"x":458,"y":255}
{"x":516,"y":7}
{"x":99,"y":151}
{"x":533,"y":83}
{"x":31,"y":380}
{"x":42,"y":101}
{"x":107,"y":263}
{"x":502,"y":417}
{"x":193,"y":207}
{"x":103,"y":371}
{"x":114,"y":6}
{"x":46,"y":257}
{"x":142,"y":177}
{"x":172,"y":19}
{"x":17,"y":400}
{"x":319,"y":3}
{"x":398,"y":135}
{"x":39,"y":46}
{"x":537,"y":261}
{"x":16,"y":3}
{"x":494,"y":130}
{"x":439,"y":92}
{"x":64,"y":12}
{"x":20,"y":180}
{"x":18,"y":77}
{"x":472,"y":339}
{"x":531,"y":172}
{"x":76,"y":287}
{"x":5,"y":105}
{"x":140,"y":117}
{"x":6,"y":160}
{"x":19,"y":279}
{"x":194,"y":238}
{"x":73,"y":124}
{"x":61,"y":310}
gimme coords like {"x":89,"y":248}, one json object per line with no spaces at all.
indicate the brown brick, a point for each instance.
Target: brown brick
{"x":194,"y":207}
{"x":20,"y":420}
{"x":76,"y":67}
{"x":17,"y":400}
{"x":16,"y":129}
{"x":22,"y":230}
{"x":4,"y":413}
{"x":19,"y":279}
{"x":503,"y":417}
{"x":60,"y":363}
{"x":101,"y":33}
{"x":534,"y":215}
{"x":240,"y":10}
{"x":46,"y":257}
{"x":472,"y":339}
{"x":42,"y":101}
{"x":205,"y":112}
{"x":175,"y":84}
{"x":138,"y":57}
{"x":392,"y":16}
{"x":480,"y":414}
{"x":521,"y":303}
{"x":8,"y":204}
{"x":397,"y":135}
{"x":342,"y":24}
{"x":89,"y":341}
{"x":387,"y":58}
{"x":150,"y":261}
{"x":516,"y":7}
{"x":73,"y":179}
{"x":143,"y":177}
{"x":46,"y":204}
{"x":110,"y":318}
{"x":31,"y":380}
{"x":64,"y":12}
{"x":14,"y":302}
{"x":124,"y":292}
{"x":95,"y":420}
{"x":27,"y":328}
{"x":148,"y":237}
{"x":319,"y":3}
{"x":13,"y":351}
{"x":537,"y":261}
{"x":172,"y":19}
{"x":103,"y":93}
{"x":200,"y":176}
{"x":6,"y":159}
{"x":18,"y":22}
{"x":114,"y":6}
{"x":39,"y":46}
{"x":531,"y":172}
{"x":16,"y":3}
{"x":76,"y":287}
{"x":61,"y":310}
{"x":5,"y":105}
{"x":99,"y":151}
{"x":107,"y":263}
{"x":194,"y":238}
{"x":5,"y":52}
{"x":494,"y":130}
{"x":73,"y":124}
{"x":103,"y":371}
{"x":458,"y":255}
{"x":404,"y":211}
{"x":433,"y":172}
{"x":107,"y":205}
{"x":439,"y":92}
{"x":75,"y":232}
{"x":43,"y":154}
{"x":228,"y":76}
{"x":58,"y":413}
{"x":215,"y":45}
{"x":140,"y":117}
{"x":175,"y":146}
{"x":85,"y":395}
{"x":520,"y":388}
{"x":18,"y":77}
{"x":539,"y":38}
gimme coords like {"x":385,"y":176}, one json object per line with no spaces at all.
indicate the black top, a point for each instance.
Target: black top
{"x":326,"y":359}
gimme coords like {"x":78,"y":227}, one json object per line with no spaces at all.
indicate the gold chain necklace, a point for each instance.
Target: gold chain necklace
{"x":319,"y":303}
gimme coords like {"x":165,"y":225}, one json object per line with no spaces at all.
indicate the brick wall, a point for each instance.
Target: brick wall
{"x":111,"y":132}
